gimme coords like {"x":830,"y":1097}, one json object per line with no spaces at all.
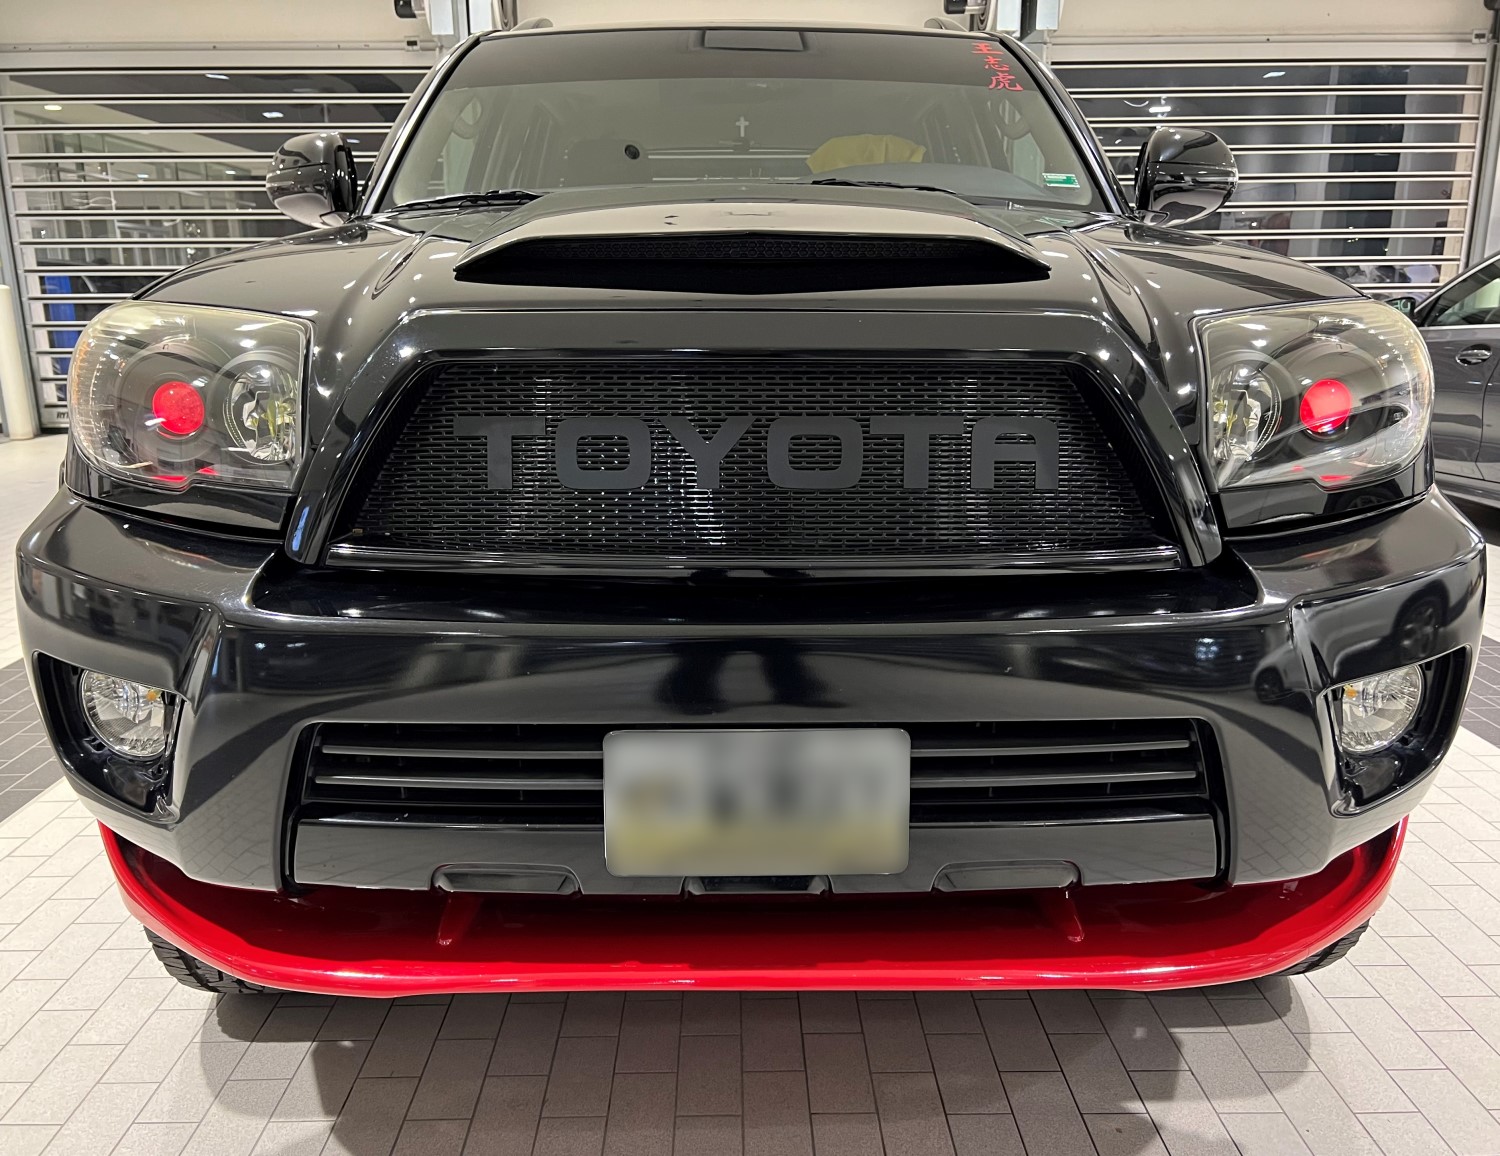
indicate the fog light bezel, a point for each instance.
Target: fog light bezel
{"x":140,"y":783}
{"x":1365,"y":780}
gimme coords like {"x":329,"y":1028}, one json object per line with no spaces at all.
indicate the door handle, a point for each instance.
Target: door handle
{"x":1473,"y":355}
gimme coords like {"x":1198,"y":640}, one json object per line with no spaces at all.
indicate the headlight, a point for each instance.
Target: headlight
{"x":1338,"y":393}
{"x":176,"y":395}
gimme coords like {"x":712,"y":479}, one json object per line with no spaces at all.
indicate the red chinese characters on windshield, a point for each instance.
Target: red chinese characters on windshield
{"x":997,"y":67}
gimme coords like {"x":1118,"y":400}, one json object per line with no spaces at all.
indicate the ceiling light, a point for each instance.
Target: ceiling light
{"x":271,"y":114}
{"x":52,"y":107}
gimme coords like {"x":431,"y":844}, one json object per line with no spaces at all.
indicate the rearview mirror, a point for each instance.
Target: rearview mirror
{"x":312,"y":179}
{"x":1183,"y":175}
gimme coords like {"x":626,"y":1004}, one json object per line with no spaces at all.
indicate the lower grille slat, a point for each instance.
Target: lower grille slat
{"x":962,"y":773}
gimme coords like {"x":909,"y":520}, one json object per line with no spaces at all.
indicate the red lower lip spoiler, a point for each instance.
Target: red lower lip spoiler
{"x":344,"y":941}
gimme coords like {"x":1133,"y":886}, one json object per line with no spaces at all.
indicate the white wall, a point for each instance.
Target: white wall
{"x":120,"y":23}
{"x":1329,"y":19}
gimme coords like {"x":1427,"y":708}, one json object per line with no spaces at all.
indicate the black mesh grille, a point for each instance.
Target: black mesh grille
{"x":431,"y":491}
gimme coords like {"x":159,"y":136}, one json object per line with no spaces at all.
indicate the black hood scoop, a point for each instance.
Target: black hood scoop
{"x":753,"y":247}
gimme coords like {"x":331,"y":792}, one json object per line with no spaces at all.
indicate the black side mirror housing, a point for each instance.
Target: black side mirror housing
{"x":1405,"y":304}
{"x":1183,"y":175}
{"x":313,"y":180}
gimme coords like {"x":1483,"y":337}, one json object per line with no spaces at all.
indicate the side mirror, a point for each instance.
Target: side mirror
{"x":1182,"y":175}
{"x":1406,"y":304}
{"x":312,"y":179}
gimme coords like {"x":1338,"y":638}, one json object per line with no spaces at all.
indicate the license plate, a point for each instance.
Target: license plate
{"x":756,"y":802}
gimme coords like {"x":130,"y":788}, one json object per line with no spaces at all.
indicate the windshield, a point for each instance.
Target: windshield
{"x":671,"y":107}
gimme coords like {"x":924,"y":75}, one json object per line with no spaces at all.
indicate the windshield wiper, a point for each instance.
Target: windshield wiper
{"x":846,"y":182}
{"x":459,"y":200}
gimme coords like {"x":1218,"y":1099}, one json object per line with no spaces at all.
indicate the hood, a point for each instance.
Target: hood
{"x":357,"y":283}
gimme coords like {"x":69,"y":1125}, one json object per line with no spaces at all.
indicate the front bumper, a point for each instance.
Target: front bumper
{"x":261,"y":651}
{"x":1139,"y":937}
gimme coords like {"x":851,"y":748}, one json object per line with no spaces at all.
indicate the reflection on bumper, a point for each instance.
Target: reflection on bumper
{"x":343,"y":941}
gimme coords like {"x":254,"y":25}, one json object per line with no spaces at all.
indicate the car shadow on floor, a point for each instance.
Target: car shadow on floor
{"x":487,"y":1073}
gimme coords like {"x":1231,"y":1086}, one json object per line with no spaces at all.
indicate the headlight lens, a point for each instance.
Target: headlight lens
{"x":1339,"y":393}
{"x":177,"y":395}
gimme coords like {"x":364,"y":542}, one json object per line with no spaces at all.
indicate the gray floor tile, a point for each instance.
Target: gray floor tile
{"x":582,"y":1070}
{"x":1062,"y":1012}
{"x":711,"y":1013}
{"x":372,"y":1116}
{"x":1093,"y":1070}
{"x":776,"y":1118}
{"x":593,"y":1013}
{"x":829,"y":1011}
{"x":473,"y":1017}
{"x":404,"y":1041}
{"x":641,"y":1114}
{"x":1046,"y":1114}
{"x":527,"y":1039}
{"x":1265,"y":1134}
{"x":855,"y":1134}
{"x":771,"y":1034}
{"x":649,"y":1035}
{"x":838,"y":1076}
{"x":323,"y":1081}
{"x":912,"y":1122}
{"x":1321,"y":1117}
{"x":431,"y":1138}
{"x":1016,"y":1037}
{"x":708,"y":1076}
{"x":1458,"y":1117}
{"x":505,"y":1119}
{"x":1184,"y":1118}
{"x":708,"y":1136}
{"x":987,"y":1136}
{"x":966,"y":1075}
{"x":948,"y":1012}
{"x":1125,"y":1135}
{"x":571,"y":1136}
{"x":450,"y":1083}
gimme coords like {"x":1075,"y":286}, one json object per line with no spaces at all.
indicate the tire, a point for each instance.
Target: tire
{"x":1334,"y":952}
{"x":190,"y":971}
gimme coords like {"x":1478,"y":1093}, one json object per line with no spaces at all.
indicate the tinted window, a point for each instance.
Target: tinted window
{"x":1474,"y":300}
{"x":569,"y":110}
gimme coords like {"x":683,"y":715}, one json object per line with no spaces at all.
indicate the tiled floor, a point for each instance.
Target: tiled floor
{"x":1395,"y":1051}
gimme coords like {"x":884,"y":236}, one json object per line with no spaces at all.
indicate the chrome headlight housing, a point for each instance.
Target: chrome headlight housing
{"x":177,"y":395}
{"x":1338,"y":393}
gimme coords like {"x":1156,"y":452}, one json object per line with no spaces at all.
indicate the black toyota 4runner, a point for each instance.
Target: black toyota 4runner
{"x":749,"y":507}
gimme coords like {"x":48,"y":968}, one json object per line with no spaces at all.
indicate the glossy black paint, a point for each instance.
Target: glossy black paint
{"x":259,"y":647}
{"x":312,"y":179}
{"x":249,"y":607}
{"x":1183,"y":174}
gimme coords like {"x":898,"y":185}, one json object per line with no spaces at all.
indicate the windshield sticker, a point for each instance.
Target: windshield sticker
{"x":1061,"y":180}
{"x":997,"y":67}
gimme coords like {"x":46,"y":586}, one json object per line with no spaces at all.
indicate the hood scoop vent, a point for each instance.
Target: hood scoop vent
{"x":752,"y":263}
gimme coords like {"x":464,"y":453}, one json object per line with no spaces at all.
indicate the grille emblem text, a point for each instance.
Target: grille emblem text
{"x":993,"y":440}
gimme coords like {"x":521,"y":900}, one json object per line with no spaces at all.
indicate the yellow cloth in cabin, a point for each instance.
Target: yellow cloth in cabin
{"x":843,"y":152}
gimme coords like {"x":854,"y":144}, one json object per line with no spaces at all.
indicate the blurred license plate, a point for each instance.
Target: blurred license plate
{"x":764,"y":802}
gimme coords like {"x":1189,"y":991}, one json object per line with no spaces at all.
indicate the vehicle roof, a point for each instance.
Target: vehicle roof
{"x":749,"y":25}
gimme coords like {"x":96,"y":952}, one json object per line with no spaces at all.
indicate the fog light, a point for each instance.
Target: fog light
{"x":130,"y":718}
{"x":1374,"y":712}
